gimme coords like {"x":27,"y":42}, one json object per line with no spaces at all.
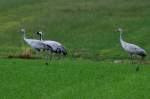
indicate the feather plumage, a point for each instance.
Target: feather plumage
{"x":131,"y":48}
{"x":56,"y":46}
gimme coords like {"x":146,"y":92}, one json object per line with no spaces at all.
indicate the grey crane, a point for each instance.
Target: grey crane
{"x":56,"y":46}
{"x":132,"y":49}
{"x":37,"y":45}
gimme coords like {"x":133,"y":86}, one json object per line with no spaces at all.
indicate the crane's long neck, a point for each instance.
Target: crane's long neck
{"x":121,"y":39}
{"x":24,"y":35}
{"x":41,"y":37}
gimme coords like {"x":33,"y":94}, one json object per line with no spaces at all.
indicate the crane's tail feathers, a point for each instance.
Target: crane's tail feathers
{"x":62,"y":50}
{"x":143,"y":54}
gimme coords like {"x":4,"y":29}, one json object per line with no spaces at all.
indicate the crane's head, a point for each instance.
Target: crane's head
{"x":119,"y":30}
{"x":39,"y":33}
{"x":23,"y":30}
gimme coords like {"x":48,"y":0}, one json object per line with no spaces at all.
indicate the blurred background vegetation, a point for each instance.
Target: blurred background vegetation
{"x":84,"y":27}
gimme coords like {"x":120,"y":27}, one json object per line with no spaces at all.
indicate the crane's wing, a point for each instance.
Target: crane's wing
{"x":135,"y":49}
{"x":38,"y":44}
{"x":56,"y":47}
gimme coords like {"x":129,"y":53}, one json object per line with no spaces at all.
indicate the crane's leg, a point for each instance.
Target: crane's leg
{"x":55,"y":56}
{"x":131,"y":56}
{"x":138,"y":67}
{"x":141,"y":60}
{"x":36,"y":54}
{"x":58,"y":57}
{"x":51,"y":55}
{"x":46,"y":58}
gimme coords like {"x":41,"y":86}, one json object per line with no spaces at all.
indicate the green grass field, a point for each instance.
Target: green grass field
{"x":87,"y":25}
{"x":87,"y":29}
{"x":69,"y":79}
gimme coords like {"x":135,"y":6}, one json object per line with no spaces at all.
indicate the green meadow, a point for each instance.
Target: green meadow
{"x":72,"y":79}
{"x":96,"y":66}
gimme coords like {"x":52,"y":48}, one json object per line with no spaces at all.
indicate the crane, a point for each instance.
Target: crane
{"x":37,"y":45}
{"x":56,"y":46}
{"x":132,"y":49}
